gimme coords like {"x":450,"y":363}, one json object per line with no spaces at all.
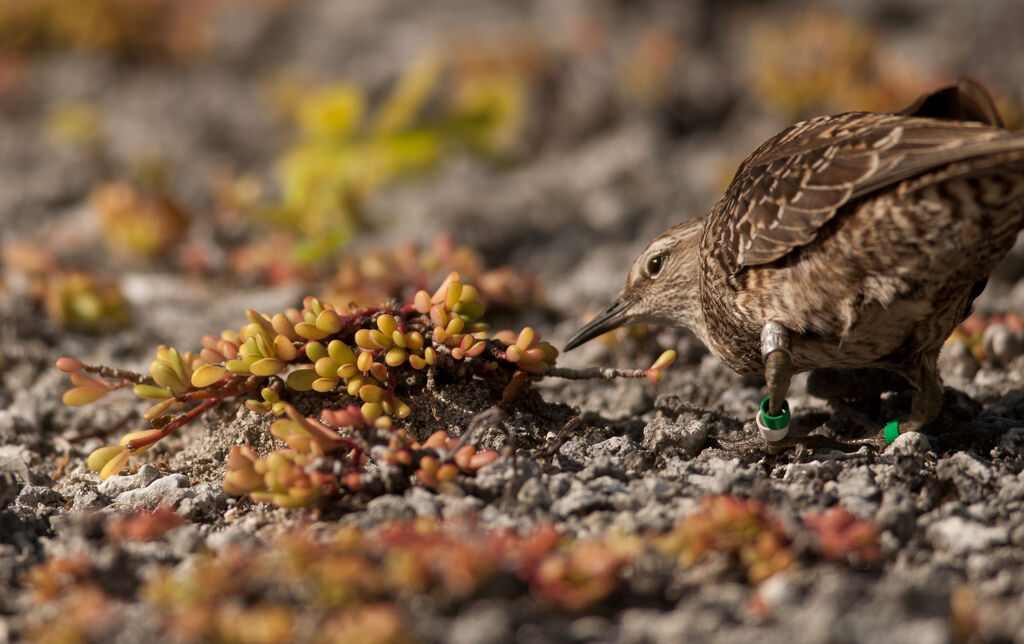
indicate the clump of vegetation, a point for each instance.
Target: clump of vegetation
{"x":376,"y":275}
{"x":137,"y":223}
{"x":368,"y":364}
{"x":734,"y":526}
{"x":348,"y":149}
{"x":74,"y":123}
{"x":138,"y":28}
{"x":842,"y":537}
{"x":75,"y":299}
{"x":836,"y":63}
{"x":308,"y":585}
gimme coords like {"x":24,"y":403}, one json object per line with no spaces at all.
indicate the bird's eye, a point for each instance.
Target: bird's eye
{"x":654,"y":265}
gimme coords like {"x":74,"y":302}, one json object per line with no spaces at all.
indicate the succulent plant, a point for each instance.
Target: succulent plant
{"x":736,"y":526}
{"x":135,"y":223}
{"x":360,"y":580}
{"x":367,"y":363}
{"x":843,"y":537}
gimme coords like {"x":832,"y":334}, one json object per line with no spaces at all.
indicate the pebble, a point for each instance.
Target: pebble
{"x":494,"y":479}
{"x":389,"y":506}
{"x":234,"y":536}
{"x":168,"y":490}
{"x":857,"y":491}
{"x":208,"y":500}
{"x":32,"y":496}
{"x":456,"y":507}
{"x":616,"y":446}
{"x":1001,"y":344}
{"x":481,"y":623}
{"x":960,"y":536}
{"x":579,"y":500}
{"x":533,"y":494}
{"x":423,"y":502}
{"x":115,"y":485}
{"x":910,"y":445}
{"x":957,"y":362}
{"x":689,"y":436}
{"x":970,"y":476}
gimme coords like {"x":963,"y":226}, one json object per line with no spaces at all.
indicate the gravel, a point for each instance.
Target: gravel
{"x":601,"y":175}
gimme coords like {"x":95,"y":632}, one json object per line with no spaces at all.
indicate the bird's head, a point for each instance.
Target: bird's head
{"x":662,"y":286}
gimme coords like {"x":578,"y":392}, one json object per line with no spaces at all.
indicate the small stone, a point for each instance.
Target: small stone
{"x":494,"y":479}
{"x":615,"y":446}
{"x":578,"y":501}
{"x":207,"y":502}
{"x":969,"y":475}
{"x":1001,"y":344}
{"x":689,"y":436}
{"x":168,"y":490}
{"x":1012,"y":442}
{"x":779,"y":591}
{"x":896,"y":513}
{"x":653,"y":489}
{"x":423,"y":503}
{"x":482,"y":623}
{"x":460,"y":507}
{"x":572,"y":453}
{"x":234,"y":536}
{"x":534,"y":495}
{"x":14,"y":460}
{"x":913,"y":445}
{"x":961,"y":536}
{"x":389,"y":506}
{"x":957,"y":362}
{"x":88,"y":498}
{"x":32,"y":496}
{"x":116,"y":485}
{"x":857,"y":491}
{"x":1017,"y":536}
{"x":606,"y":485}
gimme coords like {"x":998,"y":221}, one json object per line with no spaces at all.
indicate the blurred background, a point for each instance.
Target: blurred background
{"x":158,"y":157}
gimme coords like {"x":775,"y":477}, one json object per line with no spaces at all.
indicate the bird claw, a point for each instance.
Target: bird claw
{"x":803,"y":442}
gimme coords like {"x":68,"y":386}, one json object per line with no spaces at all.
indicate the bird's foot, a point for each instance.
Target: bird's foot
{"x":801,"y":437}
{"x":801,"y":444}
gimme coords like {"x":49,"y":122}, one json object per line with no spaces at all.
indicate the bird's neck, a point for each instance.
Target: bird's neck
{"x":686,"y":308}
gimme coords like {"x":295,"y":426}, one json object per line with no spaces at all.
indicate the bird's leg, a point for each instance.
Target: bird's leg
{"x":924,"y":407}
{"x":773,"y":417}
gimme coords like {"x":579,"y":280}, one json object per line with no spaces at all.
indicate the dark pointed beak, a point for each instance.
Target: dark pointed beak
{"x":611,"y":318}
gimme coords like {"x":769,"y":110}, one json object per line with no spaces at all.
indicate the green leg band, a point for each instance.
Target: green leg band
{"x":892,"y":430}
{"x":775,"y":422}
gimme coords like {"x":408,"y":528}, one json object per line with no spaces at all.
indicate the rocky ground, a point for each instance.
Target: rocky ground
{"x":635,"y":116}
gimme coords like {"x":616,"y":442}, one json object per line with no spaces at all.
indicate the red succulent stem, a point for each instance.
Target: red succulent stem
{"x":132,"y":377}
{"x":188,"y":416}
{"x":121,"y":384}
{"x":172,"y":424}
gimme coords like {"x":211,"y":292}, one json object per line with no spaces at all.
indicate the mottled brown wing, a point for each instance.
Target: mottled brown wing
{"x":795,"y":183}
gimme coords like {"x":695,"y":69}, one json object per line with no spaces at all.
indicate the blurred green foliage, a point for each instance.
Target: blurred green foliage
{"x":346,"y":149}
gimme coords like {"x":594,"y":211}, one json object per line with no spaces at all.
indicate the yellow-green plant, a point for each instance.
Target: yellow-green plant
{"x":347,"y":149}
{"x":367,"y":364}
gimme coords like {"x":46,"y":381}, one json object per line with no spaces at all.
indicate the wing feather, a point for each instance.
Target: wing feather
{"x":796,"y":182}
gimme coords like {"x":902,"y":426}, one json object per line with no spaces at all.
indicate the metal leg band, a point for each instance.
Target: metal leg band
{"x":774,"y":337}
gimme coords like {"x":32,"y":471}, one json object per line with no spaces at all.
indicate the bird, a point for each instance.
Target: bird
{"x":857,"y":240}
